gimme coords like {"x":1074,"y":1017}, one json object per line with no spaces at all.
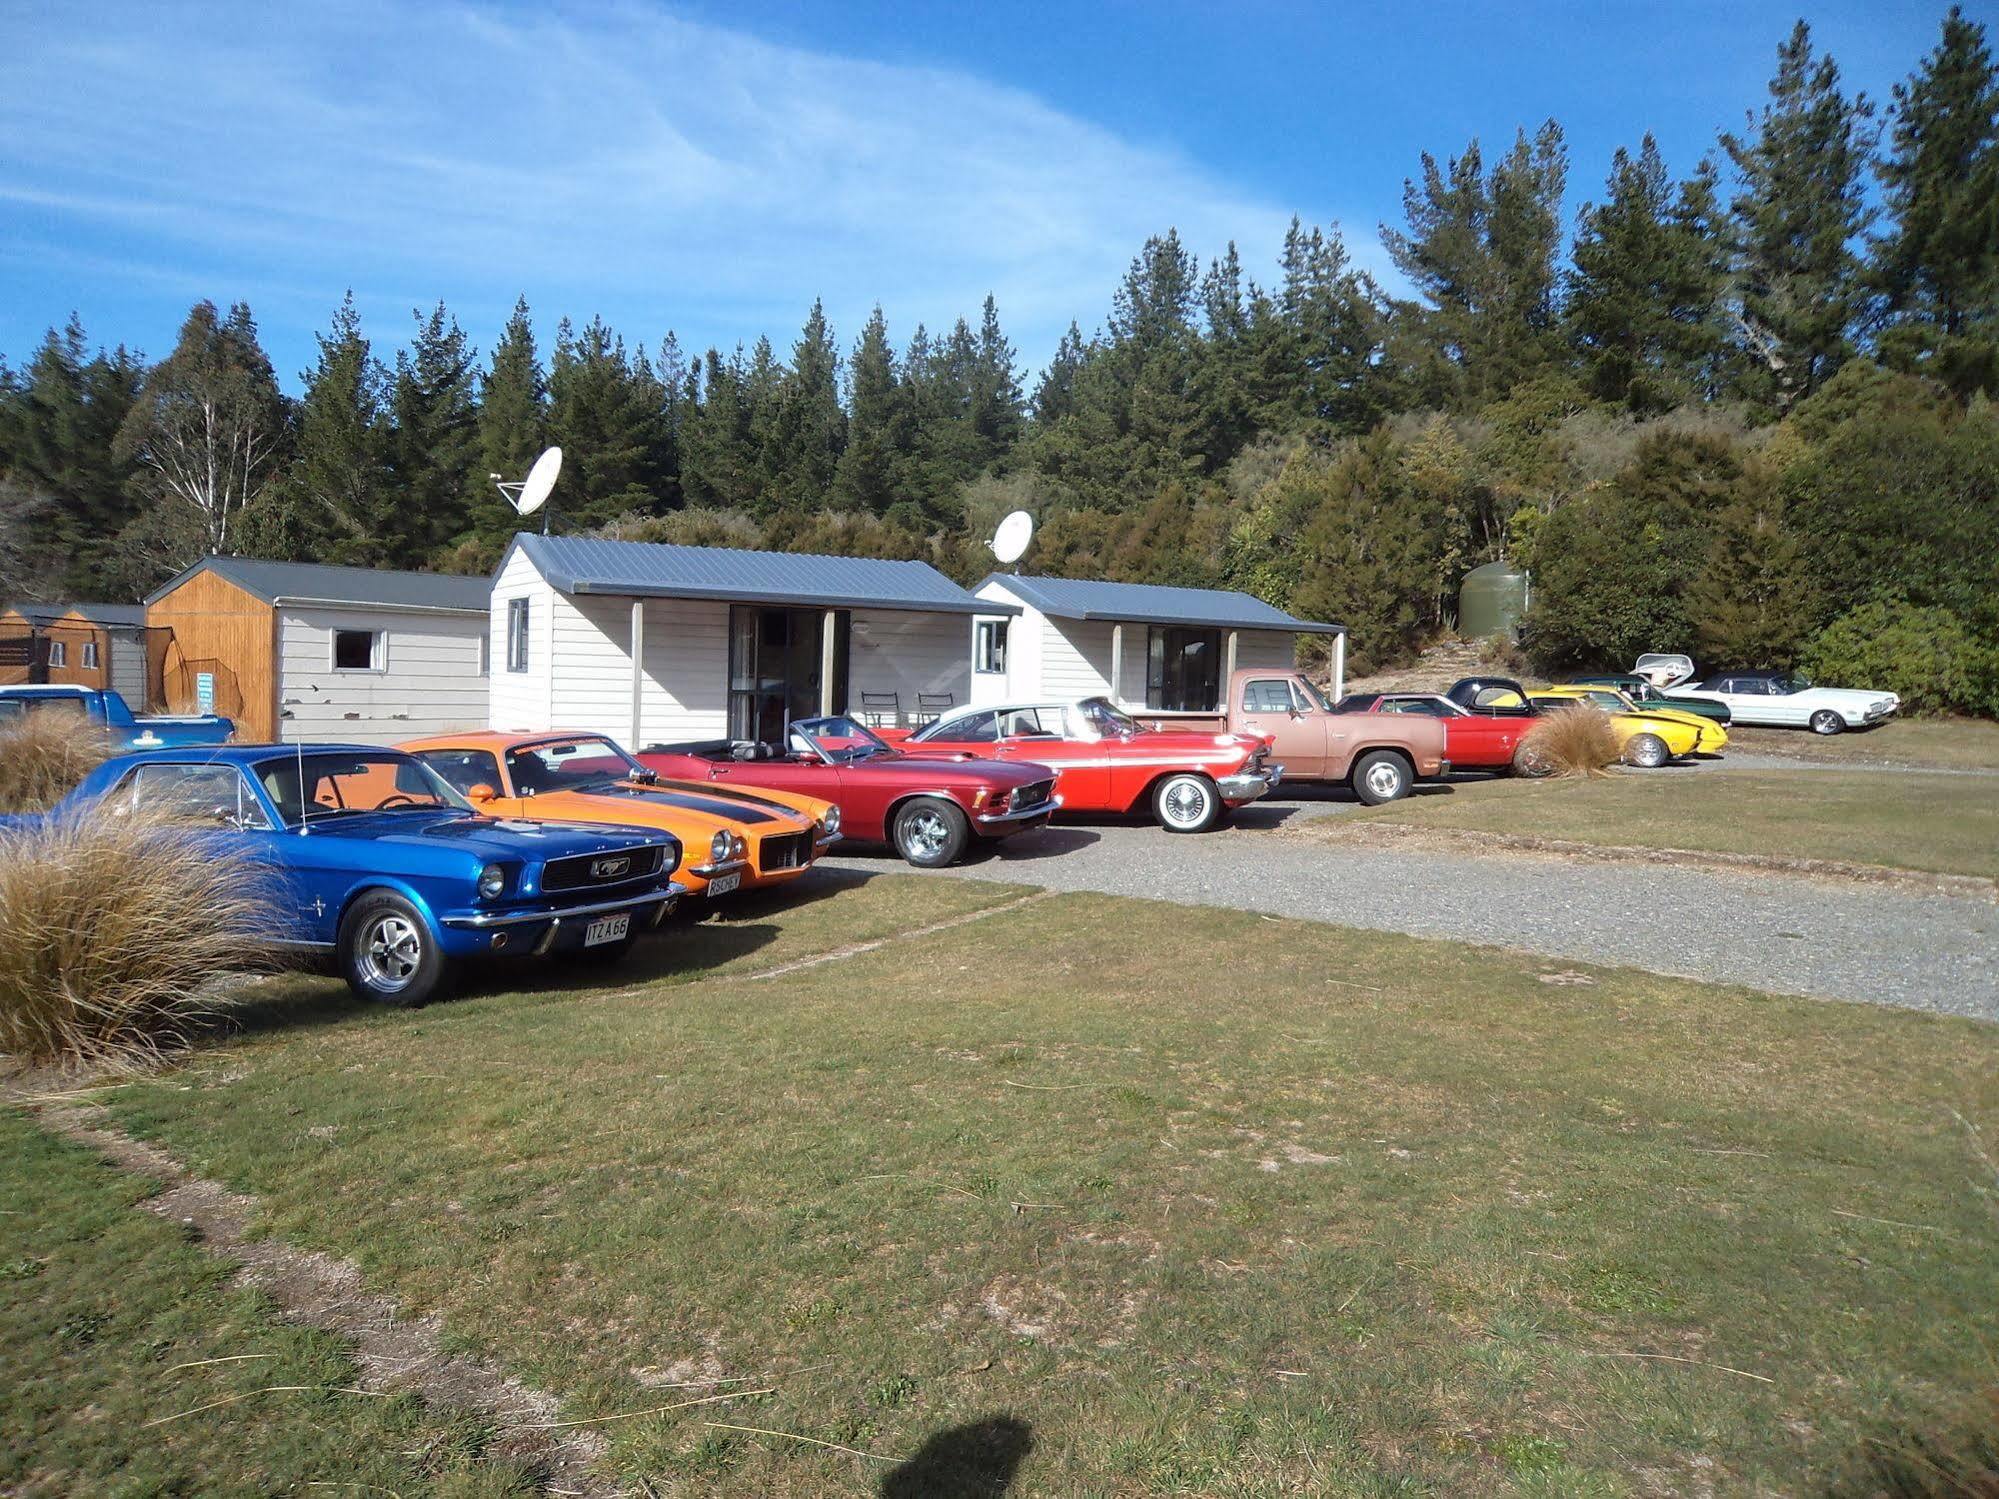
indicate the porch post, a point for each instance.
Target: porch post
{"x":828,"y":633}
{"x":1339,"y":666}
{"x":1117,"y":663}
{"x":1228,"y":670}
{"x":638,"y":674}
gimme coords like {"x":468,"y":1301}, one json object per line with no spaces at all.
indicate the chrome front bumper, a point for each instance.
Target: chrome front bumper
{"x":1025,"y":814}
{"x":483,"y":921}
{"x":709,"y":871}
{"x":1248,"y":787}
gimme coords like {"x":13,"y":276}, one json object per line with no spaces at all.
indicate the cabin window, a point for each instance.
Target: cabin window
{"x":1183,"y":669}
{"x":517,"y":634}
{"x":357,"y":650}
{"x":90,"y":655}
{"x":989,"y":646}
{"x":58,"y":653}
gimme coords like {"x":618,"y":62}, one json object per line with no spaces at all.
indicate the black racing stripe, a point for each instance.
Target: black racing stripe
{"x":734,"y":794}
{"x":714,"y":806}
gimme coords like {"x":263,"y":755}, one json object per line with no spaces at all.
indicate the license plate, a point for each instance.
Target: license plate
{"x":722,"y":884}
{"x":607,"y":929}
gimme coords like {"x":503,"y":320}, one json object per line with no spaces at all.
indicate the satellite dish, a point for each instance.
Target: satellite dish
{"x":1012,"y":537}
{"x":531,"y":493}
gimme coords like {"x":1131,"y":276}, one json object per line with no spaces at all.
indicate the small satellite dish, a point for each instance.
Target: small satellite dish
{"x":1010,"y":540}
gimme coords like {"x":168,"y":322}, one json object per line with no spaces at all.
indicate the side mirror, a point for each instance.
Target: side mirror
{"x":481,"y":793}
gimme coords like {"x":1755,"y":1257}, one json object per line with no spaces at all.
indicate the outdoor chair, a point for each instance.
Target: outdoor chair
{"x":881,"y":710}
{"x":931,"y":706}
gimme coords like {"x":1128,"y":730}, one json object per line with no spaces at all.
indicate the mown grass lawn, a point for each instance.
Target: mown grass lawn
{"x":1945,"y":824}
{"x":1946,"y":743}
{"x":110,"y":1319}
{"x":1206,"y":1202}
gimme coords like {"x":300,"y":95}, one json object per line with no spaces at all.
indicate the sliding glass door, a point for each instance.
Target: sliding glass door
{"x":775,"y":660}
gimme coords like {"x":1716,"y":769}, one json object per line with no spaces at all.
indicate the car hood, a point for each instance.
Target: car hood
{"x":1846,"y":697}
{"x":708,"y":810}
{"x":484,"y":837}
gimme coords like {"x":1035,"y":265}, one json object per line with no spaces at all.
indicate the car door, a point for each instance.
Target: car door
{"x":216,"y":803}
{"x":1300,"y":735}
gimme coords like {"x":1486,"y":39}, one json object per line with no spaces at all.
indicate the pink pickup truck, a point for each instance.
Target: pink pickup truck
{"x":1379,"y":755}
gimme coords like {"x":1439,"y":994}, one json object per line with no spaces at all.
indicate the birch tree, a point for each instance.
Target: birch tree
{"x":208,"y":431}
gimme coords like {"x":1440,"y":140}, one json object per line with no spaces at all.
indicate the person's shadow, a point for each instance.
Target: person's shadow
{"x":975,"y":1461}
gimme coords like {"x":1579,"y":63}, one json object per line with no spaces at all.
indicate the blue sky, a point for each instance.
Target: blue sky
{"x":712,"y":167}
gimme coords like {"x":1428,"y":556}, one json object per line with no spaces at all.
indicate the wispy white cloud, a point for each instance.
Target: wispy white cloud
{"x":623,"y":160}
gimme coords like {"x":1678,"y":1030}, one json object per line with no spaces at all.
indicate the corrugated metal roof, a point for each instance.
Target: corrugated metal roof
{"x":1154,"y":604}
{"x":646,"y":569}
{"x":103,"y":614}
{"x":317,"y":583}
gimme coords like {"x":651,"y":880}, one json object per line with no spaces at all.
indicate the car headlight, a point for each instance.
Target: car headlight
{"x":492,"y":880}
{"x":831,"y":821}
{"x":721,"y":846}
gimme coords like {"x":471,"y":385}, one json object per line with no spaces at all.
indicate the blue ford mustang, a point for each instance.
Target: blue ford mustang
{"x":373,"y":858}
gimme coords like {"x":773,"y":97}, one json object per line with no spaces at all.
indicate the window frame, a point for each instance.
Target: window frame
{"x":58,"y":655}
{"x":989,"y":643}
{"x":90,"y":655}
{"x":251,"y":817}
{"x":378,"y":650}
{"x":519,"y":620}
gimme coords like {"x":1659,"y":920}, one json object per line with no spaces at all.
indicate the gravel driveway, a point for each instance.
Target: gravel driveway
{"x":1776,"y":933}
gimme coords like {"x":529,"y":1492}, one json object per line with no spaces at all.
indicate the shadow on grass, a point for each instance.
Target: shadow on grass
{"x":974,"y":1461}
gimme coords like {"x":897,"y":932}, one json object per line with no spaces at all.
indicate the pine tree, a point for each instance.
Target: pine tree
{"x":808,"y":426}
{"x":605,"y":411}
{"x":1645,"y":291}
{"x":876,"y":429}
{"x":512,"y":428}
{"x":435,"y":443}
{"x":337,"y":500}
{"x":1055,"y":396}
{"x":1750,"y":601}
{"x":208,"y":434}
{"x":75,"y":494}
{"x":718,"y":459}
{"x":1937,"y":269}
{"x":1797,"y":290}
{"x":1315,"y":361}
{"x":1480,"y":249}
{"x":995,"y":389}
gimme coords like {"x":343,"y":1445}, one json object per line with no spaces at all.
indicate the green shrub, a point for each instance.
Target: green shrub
{"x":1928,"y":656}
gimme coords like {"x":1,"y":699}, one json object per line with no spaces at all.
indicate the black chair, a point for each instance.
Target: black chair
{"x":881,"y":710}
{"x":931,"y":706}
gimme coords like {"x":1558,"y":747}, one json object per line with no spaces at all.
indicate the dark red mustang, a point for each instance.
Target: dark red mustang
{"x":929,"y":807}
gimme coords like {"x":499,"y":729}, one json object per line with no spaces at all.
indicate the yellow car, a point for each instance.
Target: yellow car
{"x":1649,"y":736}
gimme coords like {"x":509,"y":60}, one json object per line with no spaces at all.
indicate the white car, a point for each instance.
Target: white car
{"x":1779,"y":699}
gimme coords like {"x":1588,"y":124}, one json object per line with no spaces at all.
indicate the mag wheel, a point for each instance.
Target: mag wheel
{"x":1186,"y":803}
{"x":1647,"y":751}
{"x":386,"y":952}
{"x":1825,"y":721}
{"x":930,"y":832}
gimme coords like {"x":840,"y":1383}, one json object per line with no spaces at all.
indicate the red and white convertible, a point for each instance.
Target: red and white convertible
{"x":1106,"y":762}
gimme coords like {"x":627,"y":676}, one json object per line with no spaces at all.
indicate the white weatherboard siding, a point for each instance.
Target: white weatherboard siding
{"x":430,"y":680}
{"x":685,"y":694}
{"x":1269,"y":650}
{"x":907,"y":652}
{"x":520,"y":699}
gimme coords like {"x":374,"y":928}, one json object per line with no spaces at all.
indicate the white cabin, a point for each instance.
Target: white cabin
{"x":1149,"y":648}
{"x":656,"y":644}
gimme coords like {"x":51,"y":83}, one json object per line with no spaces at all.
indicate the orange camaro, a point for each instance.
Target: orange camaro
{"x":730,"y":839}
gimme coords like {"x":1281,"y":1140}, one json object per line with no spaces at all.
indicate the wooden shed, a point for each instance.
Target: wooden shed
{"x":297,"y":650}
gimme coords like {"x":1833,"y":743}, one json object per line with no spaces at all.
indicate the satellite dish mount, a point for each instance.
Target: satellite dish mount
{"x":530,"y":494}
{"x":1010,"y":541}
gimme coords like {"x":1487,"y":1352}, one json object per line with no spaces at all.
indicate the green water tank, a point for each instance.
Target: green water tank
{"x":1491,"y":600}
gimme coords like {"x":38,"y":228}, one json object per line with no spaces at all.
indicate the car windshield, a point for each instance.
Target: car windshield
{"x":840,"y":739}
{"x":1104,"y":720}
{"x":350,"y":782}
{"x":584,"y":764}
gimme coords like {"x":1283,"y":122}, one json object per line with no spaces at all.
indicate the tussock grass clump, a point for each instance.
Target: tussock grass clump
{"x":42,"y":756}
{"x":115,"y":932}
{"x":1579,"y":742}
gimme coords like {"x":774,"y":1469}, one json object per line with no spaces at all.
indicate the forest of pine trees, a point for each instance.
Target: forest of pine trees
{"x":1741,"y":406}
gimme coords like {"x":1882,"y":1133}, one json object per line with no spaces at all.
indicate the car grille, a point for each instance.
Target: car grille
{"x":784,"y":851}
{"x":601,"y":871}
{"x":1031,"y":795}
